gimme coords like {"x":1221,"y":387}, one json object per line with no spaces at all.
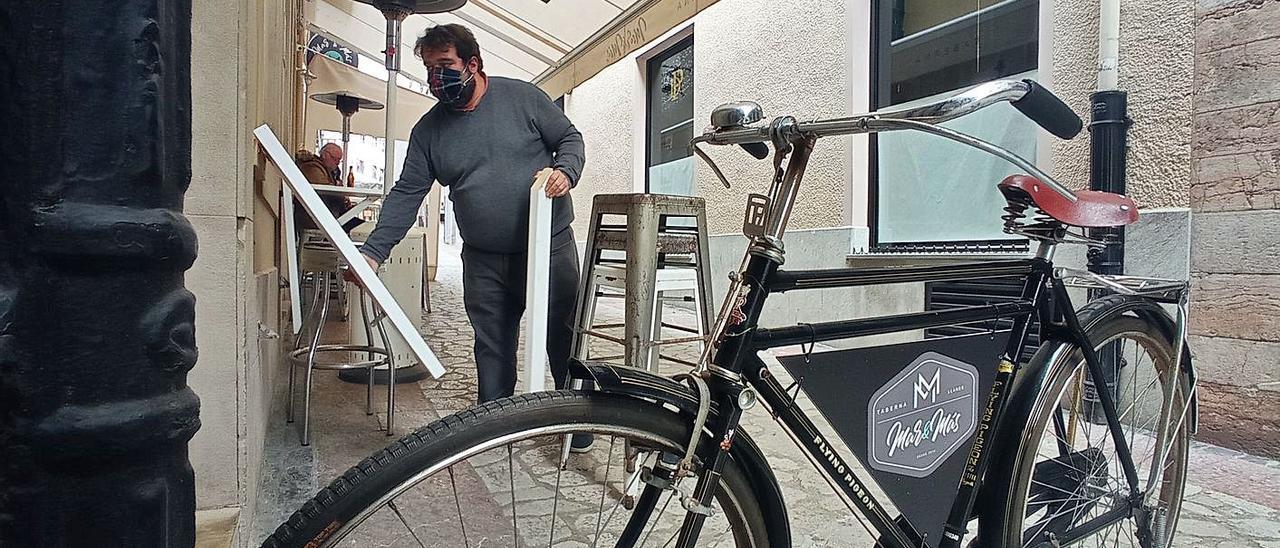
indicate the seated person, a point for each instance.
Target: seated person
{"x":323,"y":169}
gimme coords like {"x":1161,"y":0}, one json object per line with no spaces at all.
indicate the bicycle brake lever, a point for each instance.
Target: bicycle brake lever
{"x":714,"y":168}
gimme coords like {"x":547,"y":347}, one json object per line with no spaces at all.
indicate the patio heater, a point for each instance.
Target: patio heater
{"x":395,"y":12}
{"x":348,"y":104}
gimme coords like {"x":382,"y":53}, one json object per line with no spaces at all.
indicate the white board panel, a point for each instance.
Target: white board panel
{"x":537,"y":280}
{"x":291,"y":259}
{"x":368,"y":278}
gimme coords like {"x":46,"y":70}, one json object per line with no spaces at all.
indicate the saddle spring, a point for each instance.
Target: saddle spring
{"x":1038,"y":225}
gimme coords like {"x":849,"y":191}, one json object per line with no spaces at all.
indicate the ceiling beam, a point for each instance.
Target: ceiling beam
{"x":503,"y":36}
{"x":523,"y":26}
{"x":631,"y":30}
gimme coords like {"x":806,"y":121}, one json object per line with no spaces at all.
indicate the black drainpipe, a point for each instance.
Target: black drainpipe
{"x":1108,"y":147}
{"x":1108,"y":133}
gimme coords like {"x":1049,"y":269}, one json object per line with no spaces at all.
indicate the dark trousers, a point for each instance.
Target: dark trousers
{"x":493,"y":292}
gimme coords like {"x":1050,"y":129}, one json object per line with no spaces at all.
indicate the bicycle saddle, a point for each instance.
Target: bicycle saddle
{"x":1092,"y":209}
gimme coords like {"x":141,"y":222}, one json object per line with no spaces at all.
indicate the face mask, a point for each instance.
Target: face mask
{"x":451,"y":87}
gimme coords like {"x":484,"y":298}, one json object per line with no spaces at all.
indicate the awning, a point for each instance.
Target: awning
{"x":556,"y":44}
{"x":331,"y":75}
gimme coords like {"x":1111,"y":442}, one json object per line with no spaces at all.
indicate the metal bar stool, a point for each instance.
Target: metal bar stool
{"x":321,"y":259}
{"x":656,"y":231}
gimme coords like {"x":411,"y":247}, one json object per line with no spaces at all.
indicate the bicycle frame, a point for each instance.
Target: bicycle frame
{"x":736,"y":368}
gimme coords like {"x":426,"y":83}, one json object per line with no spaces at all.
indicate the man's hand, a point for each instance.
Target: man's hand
{"x":350,"y":274}
{"x":557,"y":185}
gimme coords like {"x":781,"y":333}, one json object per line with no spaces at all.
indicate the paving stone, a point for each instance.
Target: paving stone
{"x":1260,"y":527}
{"x":1202,"y":528}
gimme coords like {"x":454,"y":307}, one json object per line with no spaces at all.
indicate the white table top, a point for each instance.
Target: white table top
{"x":347,"y":191}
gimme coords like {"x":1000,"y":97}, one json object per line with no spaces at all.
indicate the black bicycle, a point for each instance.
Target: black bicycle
{"x":972,"y":439}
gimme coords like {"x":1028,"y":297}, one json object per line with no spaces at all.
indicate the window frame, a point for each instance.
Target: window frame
{"x":878,"y":67}
{"x":649,"y":64}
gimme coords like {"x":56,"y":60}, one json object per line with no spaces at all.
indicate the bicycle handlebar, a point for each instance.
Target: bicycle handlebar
{"x":1031,"y":99}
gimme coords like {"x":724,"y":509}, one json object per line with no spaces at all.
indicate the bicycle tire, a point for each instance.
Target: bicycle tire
{"x":364,"y":484}
{"x":1103,"y":320}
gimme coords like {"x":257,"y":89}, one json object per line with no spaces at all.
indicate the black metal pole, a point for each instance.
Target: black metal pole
{"x":96,"y":330}
{"x":1108,"y":147}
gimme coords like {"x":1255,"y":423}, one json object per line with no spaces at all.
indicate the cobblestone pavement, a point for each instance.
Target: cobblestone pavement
{"x":1233,"y":499}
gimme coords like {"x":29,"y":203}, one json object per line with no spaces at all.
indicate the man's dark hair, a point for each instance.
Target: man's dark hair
{"x":442,"y":36}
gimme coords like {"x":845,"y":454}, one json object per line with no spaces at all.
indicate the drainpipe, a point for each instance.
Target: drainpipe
{"x":1107,"y":129}
{"x":96,"y":329}
{"x":1107,"y":146}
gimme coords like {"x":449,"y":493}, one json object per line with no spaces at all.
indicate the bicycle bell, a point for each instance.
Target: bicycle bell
{"x":736,"y":114}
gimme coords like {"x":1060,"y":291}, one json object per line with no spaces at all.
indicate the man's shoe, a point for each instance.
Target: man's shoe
{"x":581,"y":443}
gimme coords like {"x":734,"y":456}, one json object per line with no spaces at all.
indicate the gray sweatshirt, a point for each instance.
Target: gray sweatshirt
{"x":487,"y":157}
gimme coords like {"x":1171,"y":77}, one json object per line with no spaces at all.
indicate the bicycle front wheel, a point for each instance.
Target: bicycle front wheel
{"x":1067,"y":482}
{"x":490,"y":476}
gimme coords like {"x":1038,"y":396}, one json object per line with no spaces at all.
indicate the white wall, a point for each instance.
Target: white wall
{"x":788,"y":56}
{"x":1157,"y":42}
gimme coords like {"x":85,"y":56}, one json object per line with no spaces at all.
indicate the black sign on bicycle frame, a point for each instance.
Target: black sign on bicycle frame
{"x":907,"y":412}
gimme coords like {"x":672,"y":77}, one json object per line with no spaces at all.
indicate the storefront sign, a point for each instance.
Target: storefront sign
{"x":626,"y":36}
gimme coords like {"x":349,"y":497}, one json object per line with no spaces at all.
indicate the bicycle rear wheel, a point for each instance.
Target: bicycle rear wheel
{"x":490,"y":476}
{"x":1066,"y":482}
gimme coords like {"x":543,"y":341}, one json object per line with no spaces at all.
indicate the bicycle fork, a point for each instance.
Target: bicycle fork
{"x":667,"y":474}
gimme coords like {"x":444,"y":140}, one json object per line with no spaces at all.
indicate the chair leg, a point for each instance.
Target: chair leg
{"x":651,"y":360}
{"x":303,"y":334}
{"x":582,"y":346}
{"x":567,"y":439}
{"x":365,"y":319}
{"x":311,"y":362}
{"x":426,"y":283}
{"x":586,"y":290}
{"x":702,"y":329}
{"x":391,"y":375}
{"x":344,"y":307}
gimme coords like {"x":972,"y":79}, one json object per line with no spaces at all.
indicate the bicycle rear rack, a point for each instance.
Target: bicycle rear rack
{"x":1162,"y":290}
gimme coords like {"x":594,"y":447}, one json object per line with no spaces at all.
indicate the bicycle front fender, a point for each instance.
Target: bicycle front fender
{"x":641,"y":384}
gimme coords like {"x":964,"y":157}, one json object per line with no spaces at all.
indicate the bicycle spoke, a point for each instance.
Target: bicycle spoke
{"x":555,"y":504}
{"x":604,"y":488}
{"x":511,"y":475}
{"x":672,"y":539}
{"x":659,"y":518}
{"x":461,"y":521}
{"x":399,"y":514}
{"x":470,"y":476}
{"x":626,"y":490}
{"x":1076,"y":471}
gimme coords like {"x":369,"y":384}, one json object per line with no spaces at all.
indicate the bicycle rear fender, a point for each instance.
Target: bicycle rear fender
{"x":1031,"y":379}
{"x":644,"y":385}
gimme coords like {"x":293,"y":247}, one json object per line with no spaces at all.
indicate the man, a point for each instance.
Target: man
{"x":485,"y":140}
{"x":323,"y":169}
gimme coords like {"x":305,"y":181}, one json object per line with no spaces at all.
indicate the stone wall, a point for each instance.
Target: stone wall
{"x":1235,"y":197}
{"x":242,"y":76}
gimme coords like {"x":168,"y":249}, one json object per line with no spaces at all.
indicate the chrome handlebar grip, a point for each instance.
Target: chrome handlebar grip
{"x":962,"y":104}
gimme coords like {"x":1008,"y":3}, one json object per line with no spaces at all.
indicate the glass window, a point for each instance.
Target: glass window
{"x":669,"y":101}
{"x":929,"y":192}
